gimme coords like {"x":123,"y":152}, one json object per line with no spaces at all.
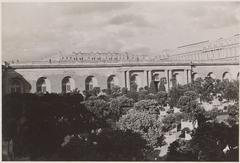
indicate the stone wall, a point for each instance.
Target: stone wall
{"x":29,"y":75}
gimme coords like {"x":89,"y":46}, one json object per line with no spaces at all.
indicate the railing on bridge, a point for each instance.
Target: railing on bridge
{"x":232,"y":60}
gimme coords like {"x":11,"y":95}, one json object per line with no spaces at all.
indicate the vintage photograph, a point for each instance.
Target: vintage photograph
{"x":120,"y":81}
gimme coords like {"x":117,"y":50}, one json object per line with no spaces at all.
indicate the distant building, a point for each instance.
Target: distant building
{"x":86,"y":70}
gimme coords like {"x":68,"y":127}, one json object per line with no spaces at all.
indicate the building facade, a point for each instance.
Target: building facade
{"x":218,"y":59}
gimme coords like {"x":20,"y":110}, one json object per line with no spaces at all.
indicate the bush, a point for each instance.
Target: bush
{"x":119,"y":106}
{"x":147,"y":105}
{"x":107,"y":145}
{"x":147,"y":125}
{"x":161,"y":98}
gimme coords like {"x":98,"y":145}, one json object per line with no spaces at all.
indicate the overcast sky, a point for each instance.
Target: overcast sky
{"x":32,"y":31}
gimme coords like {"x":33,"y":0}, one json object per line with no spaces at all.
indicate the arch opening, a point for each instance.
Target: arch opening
{"x":195,"y":76}
{"x":112,"y":81}
{"x":16,"y":86}
{"x":135,"y":82}
{"x":68,"y":84}
{"x":90,"y":83}
{"x":43,"y":85}
{"x":226,"y":76}
{"x":156,"y":80}
{"x":211,"y":75}
{"x":175,"y":79}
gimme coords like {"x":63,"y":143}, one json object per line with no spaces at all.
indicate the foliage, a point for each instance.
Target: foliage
{"x":210,"y":139}
{"x":147,"y":105}
{"x":142,"y":94}
{"x":231,"y":91}
{"x":94,"y":92}
{"x":233,"y":112}
{"x":133,"y":95}
{"x":133,"y":87}
{"x":107,"y":145}
{"x":124,"y":90}
{"x":197,"y":85}
{"x":211,"y":114}
{"x":38,"y":123}
{"x":162,"y":86}
{"x":114,"y":91}
{"x":192,"y":94}
{"x":150,"y":96}
{"x":180,"y":150}
{"x":199,"y":115}
{"x":152,"y":87}
{"x":207,"y":144}
{"x":147,"y":125}
{"x":119,"y":106}
{"x":174,"y":94}
{"x":207,"y":89}
{"x":187,"y":104}
{"x":171,"y":120}
{"x":97,"y":106}
{"x":162,"y":97}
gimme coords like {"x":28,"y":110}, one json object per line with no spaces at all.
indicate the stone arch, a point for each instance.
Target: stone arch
{"x":156,"y":77}
{"x":175,"y":78}
{"x":90,"y":83}
{"x":226,"y":75}
{"x":68,"y":84}
{"x":43,"y":85}
{"x":16,"y":86}
{"x":195,"y":76}
{"x":211,"y":74}
{"x":135,"y":79}
{"x":156,"y":80}
{"x":112,"y":81}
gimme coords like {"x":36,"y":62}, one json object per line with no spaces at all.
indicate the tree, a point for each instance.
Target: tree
{"x":97,"y":106}
{"x":207,"y":144}
{"x":147,"y":125}
{"x":133,"y":87}
{"x":180,"y":150}
{"x":133,"y":95}
{"x":95,"y":91}
{"x":186,"y":104}
{"x":174,"y":94}
{"x":172,"y":120}
{"x":40,"y":122}
{"x":169,"y":122}
{"x":209,"y":140}
{"x":116,"y":91}
{"x":233,"y":112}
{"x":161,"y":98}
{"x":107,"y":145}
{"x":192,"y":94}
{"x":231,"y":91}
{"x":199,"y":115}
{"x":113,"y":92}
{"x":197,"y":85}
{"x":152,"y":88}
{"x":162,"y":86}
{"x":211,"y":114}
{"x":124,"y":90}
{"x":208,"y":89}
{"x":147,"y":105}
{"x":119,"y":106}
{"x":142,"y":94}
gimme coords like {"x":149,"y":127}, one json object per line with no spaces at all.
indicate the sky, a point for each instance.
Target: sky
{"x":33,"y":31}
